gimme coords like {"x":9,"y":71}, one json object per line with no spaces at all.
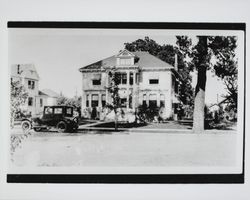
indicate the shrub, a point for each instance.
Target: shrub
{"x":147,"y":113}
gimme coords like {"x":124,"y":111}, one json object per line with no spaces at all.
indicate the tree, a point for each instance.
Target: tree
{"x":113,"y":89}
{"x":18,"y":98}
{"x":147,"y":44}
{"x":226,"y":67}
{"x":75,"y":101}
{"x":219,"y":48}
{"x":201,"y":61}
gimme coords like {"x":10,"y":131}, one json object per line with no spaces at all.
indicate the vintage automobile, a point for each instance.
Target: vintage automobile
{"x":60,"y":118}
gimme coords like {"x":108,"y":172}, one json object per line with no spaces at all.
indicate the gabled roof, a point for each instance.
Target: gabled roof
{"x":145,"y":60}
{"x":25,"y":70}
{"x":48,"y":92}
{"x":125,"y":53}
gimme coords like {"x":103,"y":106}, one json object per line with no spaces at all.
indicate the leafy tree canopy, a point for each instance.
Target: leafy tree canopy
{"x":18,"y":98}
{"x":75,"y":101}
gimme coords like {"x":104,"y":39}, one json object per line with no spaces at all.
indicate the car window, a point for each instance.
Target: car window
{"x":48,"y":110}
{"x":69,"y":111}
{"x":58,"y":111}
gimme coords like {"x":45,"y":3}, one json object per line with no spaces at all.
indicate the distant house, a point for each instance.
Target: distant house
{"x":47,"y":97}
{"x":144,"y":79}
{"x":27,"y":75}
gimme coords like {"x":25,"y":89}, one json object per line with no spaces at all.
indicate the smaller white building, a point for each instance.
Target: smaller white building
{"x":27,"y":75}
{"x":47,"y":97}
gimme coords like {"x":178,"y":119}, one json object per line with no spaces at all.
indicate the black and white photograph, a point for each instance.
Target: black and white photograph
{"x":155,"y":101}
{"x":124,"y":100}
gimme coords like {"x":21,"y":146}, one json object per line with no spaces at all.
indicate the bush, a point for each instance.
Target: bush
{"x":147,"y":113}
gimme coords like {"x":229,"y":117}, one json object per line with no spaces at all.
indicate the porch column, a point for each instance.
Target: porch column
{"x":147,"y":98}
{"x":99,"y":99}
{"x":158,"y":99}
{"x":135,"y":96}
{"x":106,"y":90}
{"x":83,"y":101}
{"x":127,"y":106}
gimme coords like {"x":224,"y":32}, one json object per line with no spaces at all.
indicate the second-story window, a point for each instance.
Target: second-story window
{"x":31,"y":84}
{"x":131,"y":78}
{"x":121,"y":78}
{"x":153,"y":81}
{"x":96,"y":81}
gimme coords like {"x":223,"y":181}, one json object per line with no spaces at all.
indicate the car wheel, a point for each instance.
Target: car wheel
{"x":61,"y":127}
{"x":26,"y":125}
{"x":37,"y":129}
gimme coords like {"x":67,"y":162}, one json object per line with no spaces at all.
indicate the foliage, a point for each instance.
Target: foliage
{"x":16,"y":141}
{"x":75,"y":101}
{"x":219,"y":48}
{"x":147,"y":113}
{"x":18,"y":98}
{"x":113,"y":89}
{"x":226,"y":67}
{"x":147,"y":44}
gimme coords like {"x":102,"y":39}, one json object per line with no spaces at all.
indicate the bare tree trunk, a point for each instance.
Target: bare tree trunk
{"x":199,"y":102}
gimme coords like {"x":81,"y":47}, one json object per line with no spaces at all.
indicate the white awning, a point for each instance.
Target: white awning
{"x":152,"y":97}
{"x":96,"y":76}
{"x":95,"y":97}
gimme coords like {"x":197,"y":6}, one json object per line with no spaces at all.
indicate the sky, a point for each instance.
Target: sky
{"x":59,"y":53}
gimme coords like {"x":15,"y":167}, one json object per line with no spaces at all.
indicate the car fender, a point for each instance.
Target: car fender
{"x":26,"y":119}
{"x":29,"y":120}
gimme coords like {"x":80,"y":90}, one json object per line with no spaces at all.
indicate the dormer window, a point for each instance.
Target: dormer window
{"x":125,"y":58}
{"x":125,"y":61}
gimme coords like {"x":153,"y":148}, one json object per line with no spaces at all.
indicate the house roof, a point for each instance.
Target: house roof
{"x":48,"y":92}
{"x":25,"y":70}
{"x":146,"y":60}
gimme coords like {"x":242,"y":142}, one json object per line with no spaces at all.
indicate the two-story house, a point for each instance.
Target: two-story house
{"x":143,"y":78}
{"x":27,"y":75}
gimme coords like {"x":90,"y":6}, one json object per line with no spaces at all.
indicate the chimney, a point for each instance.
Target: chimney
{"x":176,"y":62}
{"x":18,"y":69}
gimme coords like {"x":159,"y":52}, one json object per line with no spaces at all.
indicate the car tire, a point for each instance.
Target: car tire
{"x":26,"y":125}
{"x":37,"y":129}
{"x":61,"y":127}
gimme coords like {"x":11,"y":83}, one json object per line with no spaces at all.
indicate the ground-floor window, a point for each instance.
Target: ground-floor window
{"x":87,"y":100}
{"x":94,"y":100}
{"x":162,"y":100}
{"x":123,"y":102}
{"x":103,"y":100}
{"x":30,"y":101}
{"x":152,"y":100}
{"x":144,"y":100}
